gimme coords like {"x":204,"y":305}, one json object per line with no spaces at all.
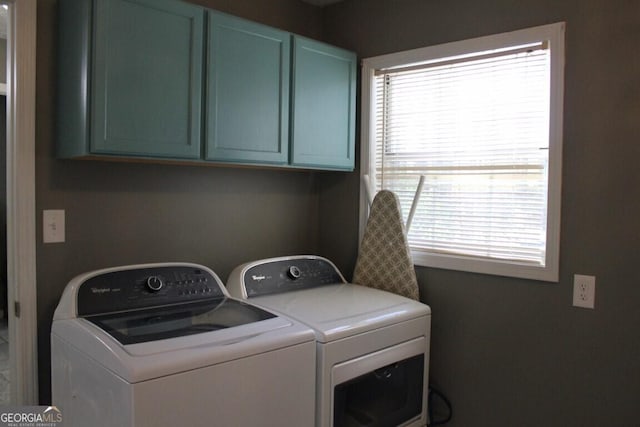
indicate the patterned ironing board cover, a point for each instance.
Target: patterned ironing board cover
{"x":384,"y":261}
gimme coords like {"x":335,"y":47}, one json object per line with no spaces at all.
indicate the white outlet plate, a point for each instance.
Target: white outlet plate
{"x":53,"y":228}
{"x":584,"y":291}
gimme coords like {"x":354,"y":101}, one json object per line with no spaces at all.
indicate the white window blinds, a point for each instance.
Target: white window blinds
{"x":477,"y":128}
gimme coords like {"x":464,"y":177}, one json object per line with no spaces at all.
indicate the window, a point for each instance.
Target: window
{"x":481,"y":120}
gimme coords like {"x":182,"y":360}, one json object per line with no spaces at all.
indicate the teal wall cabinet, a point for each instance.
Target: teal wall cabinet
{"x":247,"y":92}
{"x":323,"y":106}
{"x":133,"y":83}
{"x":130,"y":78}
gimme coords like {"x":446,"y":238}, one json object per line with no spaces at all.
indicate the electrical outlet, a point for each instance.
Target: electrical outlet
{"x":584,"y":291}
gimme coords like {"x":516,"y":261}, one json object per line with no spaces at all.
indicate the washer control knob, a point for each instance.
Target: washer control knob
{"x":154,"y":283}
{"x":294,"y":272}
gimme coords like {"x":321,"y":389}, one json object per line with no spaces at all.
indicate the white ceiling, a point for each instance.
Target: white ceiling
{"x":321,"y":2}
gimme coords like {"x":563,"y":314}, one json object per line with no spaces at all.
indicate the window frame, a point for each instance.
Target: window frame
{"x":554,"y":35}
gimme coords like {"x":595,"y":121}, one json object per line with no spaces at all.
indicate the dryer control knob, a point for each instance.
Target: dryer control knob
{"x":294,"y":272}
{"x":154,"y":283}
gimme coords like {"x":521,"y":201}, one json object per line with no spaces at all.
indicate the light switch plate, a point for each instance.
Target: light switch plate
{"x":53,"y":227}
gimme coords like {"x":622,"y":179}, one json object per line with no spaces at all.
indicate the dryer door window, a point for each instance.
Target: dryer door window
{"x":386,"y":397}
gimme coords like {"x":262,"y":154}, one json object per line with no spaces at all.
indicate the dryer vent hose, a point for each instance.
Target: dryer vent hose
{"x":439,"y":401}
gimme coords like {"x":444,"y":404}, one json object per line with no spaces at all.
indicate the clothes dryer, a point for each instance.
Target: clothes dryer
{"x":372,"y":346}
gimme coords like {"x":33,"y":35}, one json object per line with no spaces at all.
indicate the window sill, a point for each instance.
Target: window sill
{"x":548,"y":273}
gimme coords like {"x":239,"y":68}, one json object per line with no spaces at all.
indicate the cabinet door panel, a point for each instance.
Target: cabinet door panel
{"x":147,"y":78}
{"x":323,"y":105}
{"x":248,"y":91}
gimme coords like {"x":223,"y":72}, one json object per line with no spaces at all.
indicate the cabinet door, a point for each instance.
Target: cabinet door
{"x":247,"y":91}
{"x":324,"y":81}
{"x":147,"y":78}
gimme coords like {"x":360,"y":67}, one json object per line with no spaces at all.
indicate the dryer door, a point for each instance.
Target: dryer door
{"x":382,"y":389}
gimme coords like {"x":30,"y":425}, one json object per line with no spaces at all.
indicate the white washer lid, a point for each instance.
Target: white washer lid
{"x":342,"y":310}
{"x":153,"y":359}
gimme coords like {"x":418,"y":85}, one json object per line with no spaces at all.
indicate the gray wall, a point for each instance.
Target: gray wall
{"x":506,"y":351}
{"x":125,"y":213}
{"x":512,"y":352}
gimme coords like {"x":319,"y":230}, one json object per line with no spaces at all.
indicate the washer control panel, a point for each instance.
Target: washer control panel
{"x":289,"y":274}
{"x":145,"y":288}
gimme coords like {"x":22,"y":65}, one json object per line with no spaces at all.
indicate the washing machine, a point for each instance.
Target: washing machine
{"x":372,"y":346}
{"x":163,"y":345}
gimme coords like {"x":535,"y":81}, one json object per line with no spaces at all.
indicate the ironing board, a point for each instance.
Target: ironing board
{"x":384,"y":261}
